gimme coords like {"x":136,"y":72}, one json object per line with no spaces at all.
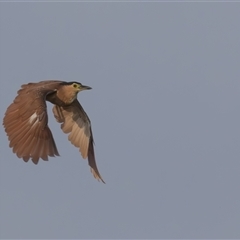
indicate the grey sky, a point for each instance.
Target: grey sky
{"x":165,"y":114}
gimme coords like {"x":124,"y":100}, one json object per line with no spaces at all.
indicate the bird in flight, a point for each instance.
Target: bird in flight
{"x":26,"y":121}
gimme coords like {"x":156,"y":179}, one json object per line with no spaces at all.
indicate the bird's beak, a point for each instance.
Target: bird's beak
{"x":85,"y":87}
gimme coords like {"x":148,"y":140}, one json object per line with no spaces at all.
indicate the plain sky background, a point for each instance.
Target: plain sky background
{"x":165,"y":114}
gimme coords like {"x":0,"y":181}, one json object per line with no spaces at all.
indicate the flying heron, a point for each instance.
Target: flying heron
{"x":26,"y":121}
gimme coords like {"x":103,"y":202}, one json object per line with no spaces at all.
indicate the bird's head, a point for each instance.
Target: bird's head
{"x":69,"y":90}
{"x":77,"y":87}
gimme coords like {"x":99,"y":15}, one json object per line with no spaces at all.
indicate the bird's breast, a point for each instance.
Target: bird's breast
{"x":61,"y":99}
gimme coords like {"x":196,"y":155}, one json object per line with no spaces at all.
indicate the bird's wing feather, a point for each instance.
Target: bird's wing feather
{"x":76,"y":123}
{"x":26,"y":122}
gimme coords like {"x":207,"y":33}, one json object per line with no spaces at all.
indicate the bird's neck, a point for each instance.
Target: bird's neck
{"x":61,"y":98}
{"x":66,"y":97}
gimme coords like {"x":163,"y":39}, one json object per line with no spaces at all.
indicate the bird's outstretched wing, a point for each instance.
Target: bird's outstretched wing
{"x":25,"y":123}
{"x":76,"y":122}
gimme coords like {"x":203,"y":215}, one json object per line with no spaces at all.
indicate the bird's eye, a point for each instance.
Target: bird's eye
{"x":75,"y":85}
